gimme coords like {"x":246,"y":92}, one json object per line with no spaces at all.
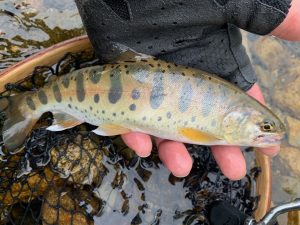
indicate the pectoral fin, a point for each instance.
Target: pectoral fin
{"x":111,"y":130}
{"x":63,"y":121}
{"x":198,"y":136}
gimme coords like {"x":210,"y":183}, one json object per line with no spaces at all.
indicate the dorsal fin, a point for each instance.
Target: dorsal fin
{"x":123,"y":53}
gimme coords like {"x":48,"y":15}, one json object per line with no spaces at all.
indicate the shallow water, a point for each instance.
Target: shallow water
{"x":31,"y":25}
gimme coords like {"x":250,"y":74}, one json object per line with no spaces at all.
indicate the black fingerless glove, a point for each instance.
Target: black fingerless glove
{"x":199,"y":33}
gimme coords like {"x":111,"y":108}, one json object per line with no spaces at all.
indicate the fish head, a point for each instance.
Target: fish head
{"x":246,"y":126}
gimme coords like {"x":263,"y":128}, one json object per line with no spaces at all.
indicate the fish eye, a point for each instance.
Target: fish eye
{"x":267,"y":126}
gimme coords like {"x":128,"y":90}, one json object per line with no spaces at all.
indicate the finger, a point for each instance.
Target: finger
{"x":256,"y":93}
{"x":231,"y":161}
{"x":139,"y":142}
{"x":175,"y":157}
{"x":270,"y":151}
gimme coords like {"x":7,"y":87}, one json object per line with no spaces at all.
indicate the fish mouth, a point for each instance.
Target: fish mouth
{"x":269,"y":140}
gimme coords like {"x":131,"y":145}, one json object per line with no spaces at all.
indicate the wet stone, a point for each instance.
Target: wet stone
{"x":294,"y":131}
{"x":290,"y":157}
{"x":287,"y":92}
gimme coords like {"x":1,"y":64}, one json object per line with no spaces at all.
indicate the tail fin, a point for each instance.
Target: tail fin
{"x":17,"y":125}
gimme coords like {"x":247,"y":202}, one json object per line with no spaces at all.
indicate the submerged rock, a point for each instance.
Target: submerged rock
{"x":61,"y":208}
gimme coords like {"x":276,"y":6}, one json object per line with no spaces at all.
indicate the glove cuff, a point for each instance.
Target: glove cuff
{"x":256,"y":16}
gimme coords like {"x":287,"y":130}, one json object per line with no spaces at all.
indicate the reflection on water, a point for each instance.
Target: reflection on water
{"x":28,"y":26}
{"x":277,"y":64}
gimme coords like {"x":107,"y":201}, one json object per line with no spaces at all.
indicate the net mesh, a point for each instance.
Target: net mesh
{"x":77,"y":177}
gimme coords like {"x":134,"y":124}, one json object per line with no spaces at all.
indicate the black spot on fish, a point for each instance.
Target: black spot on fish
{"x":144,"y":118}
{"x":126,"y":66}
{"x":114,"y":114}
{"x":132,"y":107}
{"x":66,"y":82}
{"x":159,"y":118}
{"x":116,"y":89}
{"x":76,"y":107}
{"x":95,"y":75}
{"x":56,"y":92}
{"x":151,"y":65}
{"x":80,"y":92}
{"x":193,"y":119}
{"x":43,"y":97}
{"x":135,"y":94}
{"x":169,"y":114}
{"x":186,"y":95}
{"x":144,"y":60}
{"x":103,"y":111}
{"x":91,"y":108}
{"x":169,"y":66}
{"x":71,"y":99}
{"x":96,"y":98}
{"x":30,"y":103}
{"x":157,"y":92}
{"x":122,"y":113}
{"x":69,"y":105}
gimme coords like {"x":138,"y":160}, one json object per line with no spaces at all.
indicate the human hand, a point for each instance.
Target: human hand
{"x":229,"y":158}
{"x":211,"y":43}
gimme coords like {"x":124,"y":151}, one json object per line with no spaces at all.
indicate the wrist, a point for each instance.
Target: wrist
{"x":289,"y":29}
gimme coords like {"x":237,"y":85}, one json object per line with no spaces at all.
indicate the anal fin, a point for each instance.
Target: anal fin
{"x":63,"y":121}
{"x":111,"y":130}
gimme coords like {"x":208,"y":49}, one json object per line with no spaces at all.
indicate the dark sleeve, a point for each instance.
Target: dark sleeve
{"x":203,"y":34}
{"x":256,"y":16}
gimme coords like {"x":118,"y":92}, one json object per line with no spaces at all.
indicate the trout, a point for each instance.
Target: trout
{"x":147,"y":95}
